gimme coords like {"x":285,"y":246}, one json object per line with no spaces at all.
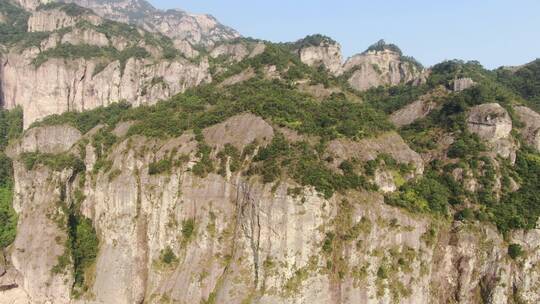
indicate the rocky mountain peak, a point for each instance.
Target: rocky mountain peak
{"x":382,"y":64}
{"x":382,"y":46}
{"x":198,"y":29}
{"x":320,"y":50}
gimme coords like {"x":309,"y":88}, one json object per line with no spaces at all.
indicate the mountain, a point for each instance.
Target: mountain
{"x":176,"y":24}
{"x":65,"y":58}
{"x":137,"y":169}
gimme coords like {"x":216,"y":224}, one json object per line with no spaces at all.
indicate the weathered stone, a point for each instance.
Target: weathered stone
{"x":326,"y":54}
{"x":489,"y":121}
{"x":46,"y":139}
{"x":236,"y":51}
{"x":376,"y":68}
{"x":461,"y":84}
{"x":531,"y":128}
{"x":492,"y":123}
{"x":239,"y":131}
{"x":57,"y":86}
{"x":385,"y":181}
{"x":54,"y":19}
{"x":251,"y":237}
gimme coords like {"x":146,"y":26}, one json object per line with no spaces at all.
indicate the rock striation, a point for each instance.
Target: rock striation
{"x":384,"y":67}
{"x":327,"y":54}
{"x":57,"y":86}
{"x":250,"y":239}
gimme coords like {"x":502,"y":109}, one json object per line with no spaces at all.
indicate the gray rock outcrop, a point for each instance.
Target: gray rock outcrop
{"x":531,"y":128}
{"x":379,"y":68}
{"x":54,"y":19}
{"x":492,"y":123}
{"x":57,"y":86}
{"x":461,"y":84}
{"x":327,"y":54}
{"x":417,"y":109}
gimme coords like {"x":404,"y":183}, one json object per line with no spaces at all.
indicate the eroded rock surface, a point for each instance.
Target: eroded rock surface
{"x":249,"y":240}
{"x":376,"y":68}
{"x":417,"y":109}
{"x":531,"y":129}
{"x":327,"y":54}
{"x":492,"y":123}
{"x":57,"y":86}
{"x":461,"y":84}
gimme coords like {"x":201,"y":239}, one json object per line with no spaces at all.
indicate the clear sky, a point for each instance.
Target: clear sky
{"x":494,"y":32}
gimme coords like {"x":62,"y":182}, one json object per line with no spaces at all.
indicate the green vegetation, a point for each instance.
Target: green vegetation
{"x":515,"y":251}
{"x":525,"y":81}
{"x":70,"y":51}
{"x":381,"y":45}
{"x":85,"y":121}
{"x":70,"y":9}
{"x":167,"y":256}
{"x":520,"y":209}
{"x":423,"y":195}
{"x":188,"y":229}
{"x":84,"y":246}
{"x":311,"y":40}
{"x":303,"y":163}
{"x":56,"y":162}
{"x":159,"y":167}
{"x":230,"y":155}
{"x":15,"y":27}
{"x":8,"y":217}
{"x":10,"y":128}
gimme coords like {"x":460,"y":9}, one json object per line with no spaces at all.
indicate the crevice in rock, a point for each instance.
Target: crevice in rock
{"x":251,"y":226}
{"x":8,"y":287}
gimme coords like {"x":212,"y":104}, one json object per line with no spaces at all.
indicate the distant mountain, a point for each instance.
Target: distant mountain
{"x":177,"y":24}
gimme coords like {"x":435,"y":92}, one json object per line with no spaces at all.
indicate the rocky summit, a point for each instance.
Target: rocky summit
{"x":151,"y":156}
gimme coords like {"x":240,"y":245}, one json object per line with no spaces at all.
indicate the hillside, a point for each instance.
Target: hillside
{"x":246,"y":171}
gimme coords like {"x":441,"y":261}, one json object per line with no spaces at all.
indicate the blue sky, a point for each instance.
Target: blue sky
{"x":494,"y":32}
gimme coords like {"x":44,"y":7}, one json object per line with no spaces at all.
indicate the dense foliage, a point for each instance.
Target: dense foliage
{"x":525,"y":81}
{"x":70,"y":51}
{"x":15,"y":26}
{"x":70,"y":9}
{"x":10,"y":127}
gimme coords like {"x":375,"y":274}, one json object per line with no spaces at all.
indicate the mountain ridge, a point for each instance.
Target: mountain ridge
{"x":137,"y":169}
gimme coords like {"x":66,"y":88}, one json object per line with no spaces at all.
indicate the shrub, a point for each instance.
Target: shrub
{"x":8,"y":217}
{"x":188,"y":229}
{"x":465,"y":215}
{"x":159,"y":167}
{"x":515,"y":251}
{"x":56,"y":162}
{"x":167,"y":256}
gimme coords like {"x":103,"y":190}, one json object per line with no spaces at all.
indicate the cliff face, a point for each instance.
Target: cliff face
{"x":327,"y":54}
{"x":385,"y":67}
{"x":79,"y":64}
{"x":373,"y":68}
{"x":58,"y":86}
{"x":231,"y":238}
